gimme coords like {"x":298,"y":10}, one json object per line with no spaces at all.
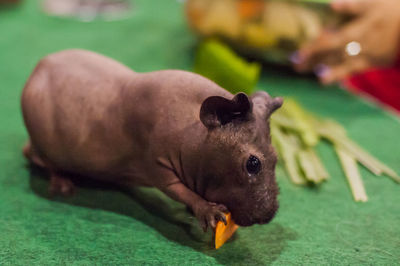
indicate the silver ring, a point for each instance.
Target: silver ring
{"x":353,"y":48}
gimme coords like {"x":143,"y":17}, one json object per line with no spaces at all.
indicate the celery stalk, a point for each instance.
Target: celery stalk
{"x":366,"y":159}
{"x":288,"y":154}
{"x":284,"y":121}
{"x":337,"y":136}
{"x":312,"y":166}
{"x":307,"y":166}
{"x":300,"y":118}
{"x":350,"y":169}
{"x":319,"y":167}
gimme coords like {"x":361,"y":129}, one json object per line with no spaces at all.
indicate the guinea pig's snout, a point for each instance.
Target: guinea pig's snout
{"x":256,"y":214}
{"x":268,"y":214}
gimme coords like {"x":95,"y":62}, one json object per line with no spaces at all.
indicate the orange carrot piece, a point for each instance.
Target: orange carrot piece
{"x":224,"y":232}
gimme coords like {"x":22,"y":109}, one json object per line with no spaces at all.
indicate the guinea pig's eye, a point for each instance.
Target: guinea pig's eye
{"x":253,"y":165}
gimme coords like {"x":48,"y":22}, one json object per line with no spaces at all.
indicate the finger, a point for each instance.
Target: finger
{"x":351,"y":7}
{"x":328,"y":43}
{"x":343,"y":71}
{"x":315,"y":62}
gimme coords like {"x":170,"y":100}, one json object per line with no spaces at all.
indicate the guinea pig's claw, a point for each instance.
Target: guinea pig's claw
{"x":223,"y":219}
{"x":210,"y":214}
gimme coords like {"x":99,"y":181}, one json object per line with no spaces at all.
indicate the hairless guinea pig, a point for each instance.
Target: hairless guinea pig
{"x":90,"y":116}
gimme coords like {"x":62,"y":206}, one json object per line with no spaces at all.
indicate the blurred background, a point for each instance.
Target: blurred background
{"x":328,"y":39}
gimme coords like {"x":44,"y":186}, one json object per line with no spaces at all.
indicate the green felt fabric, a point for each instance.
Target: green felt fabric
{"x":317,"y":225}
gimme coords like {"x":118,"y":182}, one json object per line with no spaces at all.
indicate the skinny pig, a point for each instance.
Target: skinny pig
{"x":90,"y":116}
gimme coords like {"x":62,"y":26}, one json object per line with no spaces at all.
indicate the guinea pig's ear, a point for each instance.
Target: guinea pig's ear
{"x":217,"y":111}
{"x":274,"y":104}
{"x":265,"y":103}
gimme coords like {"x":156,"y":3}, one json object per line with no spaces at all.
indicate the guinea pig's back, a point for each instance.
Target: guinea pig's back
{"x":177,"y":96}
{"x":71,"y":107}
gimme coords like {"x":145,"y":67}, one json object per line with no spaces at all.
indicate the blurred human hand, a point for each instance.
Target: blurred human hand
{"x":375,"y":29}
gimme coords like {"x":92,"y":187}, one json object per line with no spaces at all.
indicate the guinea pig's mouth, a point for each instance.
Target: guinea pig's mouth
{"x":258,"y":216}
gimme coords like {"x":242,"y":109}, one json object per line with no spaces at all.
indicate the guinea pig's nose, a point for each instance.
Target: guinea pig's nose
{"x":248,"y":217}
{"x":242,"y":220}
{"x":270,"y":212}
{"x":266,"y":218}
{"x":260,"y":215}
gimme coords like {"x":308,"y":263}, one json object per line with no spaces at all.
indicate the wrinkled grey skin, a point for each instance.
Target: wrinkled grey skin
{"x":88,"y":115}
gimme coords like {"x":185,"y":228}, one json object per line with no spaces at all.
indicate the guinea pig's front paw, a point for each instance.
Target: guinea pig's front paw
{"x":209,"y":213}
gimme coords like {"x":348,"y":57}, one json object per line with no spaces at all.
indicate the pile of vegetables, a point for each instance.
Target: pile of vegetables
{"x":268,"y":29}
{"x":295,"y":133}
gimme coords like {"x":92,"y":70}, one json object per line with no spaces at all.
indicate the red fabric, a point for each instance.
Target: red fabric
{"x":382,"y":84}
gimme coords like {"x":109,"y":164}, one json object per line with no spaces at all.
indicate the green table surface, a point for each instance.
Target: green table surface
{"x":99,"y":225}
